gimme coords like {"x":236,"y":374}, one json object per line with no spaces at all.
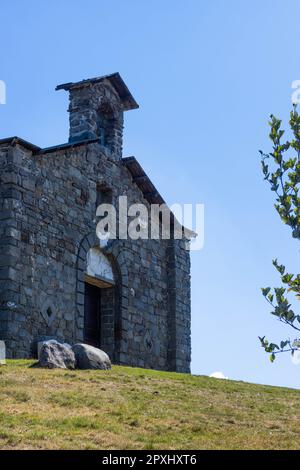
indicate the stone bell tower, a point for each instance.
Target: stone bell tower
{"x":96,"y":111}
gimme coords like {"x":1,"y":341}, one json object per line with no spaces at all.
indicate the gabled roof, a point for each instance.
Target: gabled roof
{"x":150,"y":193}
{"x":142,"y":181}
{"x":115,"y":80}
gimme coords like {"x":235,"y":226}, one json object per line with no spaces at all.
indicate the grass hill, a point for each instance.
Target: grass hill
{"x":129,"y":408}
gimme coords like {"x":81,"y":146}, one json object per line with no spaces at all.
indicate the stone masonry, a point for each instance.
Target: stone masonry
{"x":48,"y":201}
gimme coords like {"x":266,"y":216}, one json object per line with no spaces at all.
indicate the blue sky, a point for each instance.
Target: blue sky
{"x":206,"y":74}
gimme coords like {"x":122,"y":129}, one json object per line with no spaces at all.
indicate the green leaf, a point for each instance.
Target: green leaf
{"x":265,"y":291}
{"x":272,"y":357}
{"x":263,"y":342}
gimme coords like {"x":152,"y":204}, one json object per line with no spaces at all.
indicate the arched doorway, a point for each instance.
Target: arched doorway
{"x":114,"y":325}
{"x":99,"y":301}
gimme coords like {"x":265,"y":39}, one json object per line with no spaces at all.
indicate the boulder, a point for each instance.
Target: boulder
{"x":54,"y":355}
{"x":38,"y":341}
{"x":89,"y":357}
{"x":49,"y":341}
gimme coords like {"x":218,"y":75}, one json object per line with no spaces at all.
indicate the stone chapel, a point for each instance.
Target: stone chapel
{"x":129,"y":297}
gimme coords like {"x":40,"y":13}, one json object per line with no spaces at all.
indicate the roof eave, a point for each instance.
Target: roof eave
{"x":18,"y":140}
{"x":149,"y":191}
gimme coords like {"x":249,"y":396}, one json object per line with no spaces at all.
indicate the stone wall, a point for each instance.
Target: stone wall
{"x":179,"y":288}
{"x":47,"y":223}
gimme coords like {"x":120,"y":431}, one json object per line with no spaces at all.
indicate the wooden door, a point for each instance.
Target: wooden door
{"x":92,"y":315}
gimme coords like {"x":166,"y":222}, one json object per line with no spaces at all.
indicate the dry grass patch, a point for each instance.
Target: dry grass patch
{"x":129,"y":408}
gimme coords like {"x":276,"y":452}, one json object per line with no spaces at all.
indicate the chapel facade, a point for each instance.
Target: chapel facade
{"x":130,"y":297}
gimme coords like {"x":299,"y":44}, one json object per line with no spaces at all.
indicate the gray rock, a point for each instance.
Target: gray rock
{"x":54,"y":355}
{"x":37,"y":344}
{"x":2,"y":353}
{"x":89,"y":357}
{"x":49,"y":341}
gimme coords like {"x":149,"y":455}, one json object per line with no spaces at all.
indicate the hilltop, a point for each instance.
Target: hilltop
{"x":129,"y":408}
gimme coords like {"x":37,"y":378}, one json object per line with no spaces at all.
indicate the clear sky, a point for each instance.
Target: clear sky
{"x":206,"y":74}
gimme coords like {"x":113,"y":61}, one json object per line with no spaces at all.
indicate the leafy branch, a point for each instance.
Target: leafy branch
{"x":282,"y":171}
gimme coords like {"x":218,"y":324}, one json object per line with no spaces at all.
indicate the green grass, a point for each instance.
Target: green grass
{"x":129,"y":408}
